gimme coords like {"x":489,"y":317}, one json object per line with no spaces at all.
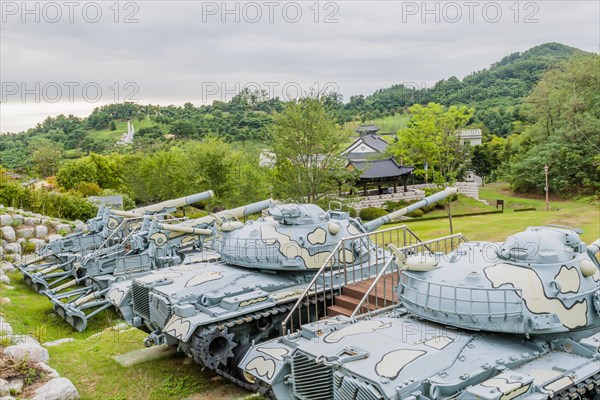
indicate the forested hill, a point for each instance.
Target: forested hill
{"x":495,"y":93}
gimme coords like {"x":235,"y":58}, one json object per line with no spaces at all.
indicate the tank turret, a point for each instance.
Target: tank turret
{"x":539,"y":281}
{"x":299,"y":237}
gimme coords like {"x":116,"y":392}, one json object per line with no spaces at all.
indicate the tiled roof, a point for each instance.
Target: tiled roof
{"x":376,"y":169}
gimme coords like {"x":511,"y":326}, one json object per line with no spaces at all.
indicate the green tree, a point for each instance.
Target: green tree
{"x":307,"y":143}
{"x":73,"y":173}
{"x":564,"y":115}
{"x":45,"y":156}
{"x":432,"y":138}
{"x":113,"y":126}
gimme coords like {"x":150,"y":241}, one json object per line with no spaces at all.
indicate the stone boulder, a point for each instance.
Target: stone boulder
{"x":54,"y":236}
{"x":4,"y":279}
{"x":5,"y":328}
{"x":7,"y":267}
{"x":41,"y":231}
{"x":31,"y":351}
{"x":50,"y":372}
{"x":63,"y":228}
{"x":57,"y":389}
{"x":25,"y":233}
{"x":39,"y":243}
{"x":14,"y":386}
{"x":12,"y":248}
{"x":31,"y":221}
{"x":6,"y":219}
{"x":18,"y":218}
{"x":8,"y":233}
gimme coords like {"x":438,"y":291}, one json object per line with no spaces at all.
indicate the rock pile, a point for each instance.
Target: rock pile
{"x":25,"y":349}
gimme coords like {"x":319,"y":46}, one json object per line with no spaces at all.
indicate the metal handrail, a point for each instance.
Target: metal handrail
{"x":373,"y":284}
{"x":321,"y":274}
{"x":312,"y":282}
{"x":432,"y":241}
{"x":393,"y":257}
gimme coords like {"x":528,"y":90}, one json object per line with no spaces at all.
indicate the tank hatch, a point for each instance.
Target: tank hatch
{"x":541,"y":245}
{"x":298,"y":214}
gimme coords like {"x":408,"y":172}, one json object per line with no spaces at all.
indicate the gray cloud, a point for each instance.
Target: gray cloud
{"x":171,"y":54}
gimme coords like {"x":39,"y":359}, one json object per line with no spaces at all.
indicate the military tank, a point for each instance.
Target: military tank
{"x":214,"y":311}
{"x":518,"y":319}
{"x":154,"y":245}
{"x":52,"y":264}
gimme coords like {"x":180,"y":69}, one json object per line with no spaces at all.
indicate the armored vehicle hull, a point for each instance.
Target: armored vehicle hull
{"x":517,"y":319}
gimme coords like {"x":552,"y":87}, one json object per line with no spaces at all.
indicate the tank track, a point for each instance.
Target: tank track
{"x":198,"y":347}
{"x":588,"y":389}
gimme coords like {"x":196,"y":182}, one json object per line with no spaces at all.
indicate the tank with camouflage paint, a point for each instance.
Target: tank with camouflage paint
{"x":55,"y":260}
{"x":215,"y":310}
{"x":154,"y":245}
{"x":511,"y":320}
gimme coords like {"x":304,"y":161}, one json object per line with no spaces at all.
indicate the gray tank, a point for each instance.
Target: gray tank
{"x":154,"y":244}
{"x":518,"y":319}
{"x":107,"y":229}
{"x":214,"y":311}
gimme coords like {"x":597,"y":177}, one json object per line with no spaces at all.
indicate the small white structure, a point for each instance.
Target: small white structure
{"x":267,"y":159}
{"x":471,"y":137}
{"x":127,"y":137}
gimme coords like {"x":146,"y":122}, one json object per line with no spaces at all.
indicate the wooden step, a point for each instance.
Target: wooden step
{"x":332,"y":311}
{"x":350,"y":302}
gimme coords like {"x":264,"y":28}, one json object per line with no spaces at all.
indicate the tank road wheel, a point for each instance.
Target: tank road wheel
{"x":215,"y":348}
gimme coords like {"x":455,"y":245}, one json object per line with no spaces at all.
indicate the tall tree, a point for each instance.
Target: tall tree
{"x":45,"y":156}
{"x":307,"y":143}
{"x":432,"y":138}
{"x":564,"y":115}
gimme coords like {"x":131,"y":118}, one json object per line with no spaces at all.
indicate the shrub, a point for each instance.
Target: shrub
{"x":416,"y":213}
{"x":351,"y":211}
{"x":371,"y":213}
{"x":27,"y":247}
{"x":61,"y":205}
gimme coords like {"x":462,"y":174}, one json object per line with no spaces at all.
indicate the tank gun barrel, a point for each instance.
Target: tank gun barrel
{"x":172,"y":204}
{"x":185,"y":229}
{"x":238,"y":212}
{"x":434,"y":198}
{"x":595,"y":247}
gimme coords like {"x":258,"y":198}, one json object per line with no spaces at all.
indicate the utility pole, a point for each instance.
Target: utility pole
{"x":546,"y":172}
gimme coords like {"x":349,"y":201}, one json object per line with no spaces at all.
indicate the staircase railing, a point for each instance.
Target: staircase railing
{"x":354,"y":259}
{"x":387,"y":275}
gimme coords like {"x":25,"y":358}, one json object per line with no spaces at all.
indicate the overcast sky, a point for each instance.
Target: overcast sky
{"x":69,"y":57}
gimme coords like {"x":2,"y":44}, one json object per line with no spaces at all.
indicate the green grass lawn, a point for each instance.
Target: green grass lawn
{"x":495,"y":227}
{"x":88,"y":361}
{"x":114,"y":136}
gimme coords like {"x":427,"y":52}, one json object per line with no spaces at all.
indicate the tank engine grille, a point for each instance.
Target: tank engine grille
{"x":160,"y":310}
{"x":312,"y":380}
{"x":141,"y":305}
{"x":349,"y":388}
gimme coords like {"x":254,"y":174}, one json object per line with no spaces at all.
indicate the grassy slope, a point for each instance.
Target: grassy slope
{"x":495,"y":227}
{"x":88,"y":360}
